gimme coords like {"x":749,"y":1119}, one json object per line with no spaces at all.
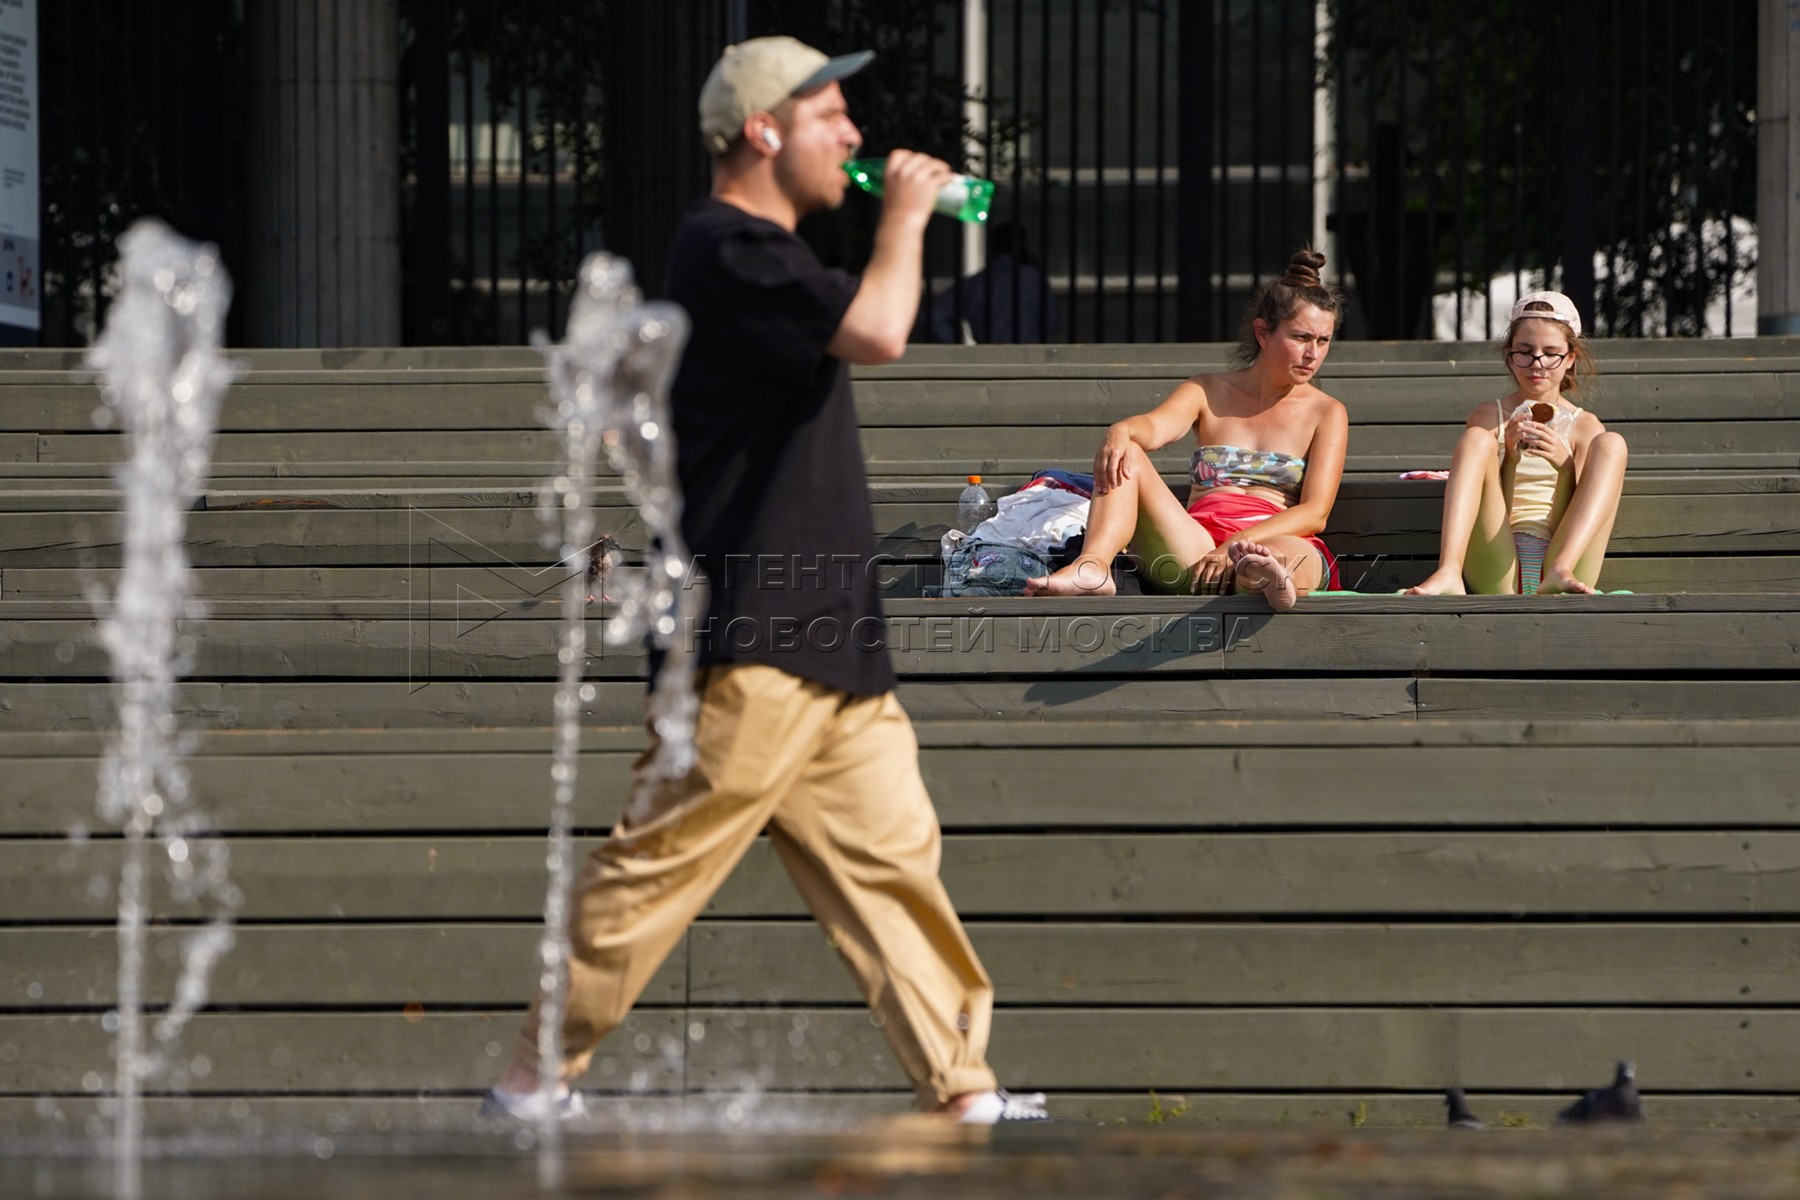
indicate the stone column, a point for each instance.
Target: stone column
{"x":324,"y":265}
{"x":1778,"y":167}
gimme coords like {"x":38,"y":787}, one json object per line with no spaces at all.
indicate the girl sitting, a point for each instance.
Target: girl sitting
{"x":1535,"y":480}
{"x":1269,"y":451}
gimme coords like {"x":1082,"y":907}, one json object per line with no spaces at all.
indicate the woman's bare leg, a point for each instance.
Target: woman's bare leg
{"x":1578,"y":547}
{"x":1140,"y":512}
{"x":1475,"y":549}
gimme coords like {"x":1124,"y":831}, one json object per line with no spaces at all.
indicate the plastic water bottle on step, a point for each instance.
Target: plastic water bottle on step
{"x":975,"y":506}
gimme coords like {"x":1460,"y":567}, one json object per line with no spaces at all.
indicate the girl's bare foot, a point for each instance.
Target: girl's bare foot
{"x":1256,"y":569}
{"x":1440,"y":583}
{"x":1558,"y":580}
{"x":1083,"y":577}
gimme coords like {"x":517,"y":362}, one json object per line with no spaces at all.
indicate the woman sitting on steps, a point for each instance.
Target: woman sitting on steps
{"x":1269,"y":451}
{"x":1534,"y":482}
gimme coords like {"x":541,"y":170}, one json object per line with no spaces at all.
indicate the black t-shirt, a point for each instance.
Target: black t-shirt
{"x":776,"y":499}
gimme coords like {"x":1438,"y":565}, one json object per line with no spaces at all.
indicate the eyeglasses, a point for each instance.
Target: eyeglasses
{"x":1524,"y":358}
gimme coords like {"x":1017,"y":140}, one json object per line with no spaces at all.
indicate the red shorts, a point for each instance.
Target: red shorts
{"x":1223,"y":514}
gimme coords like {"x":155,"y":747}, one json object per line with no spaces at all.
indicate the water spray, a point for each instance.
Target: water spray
{"x":162,"y":377}
{"x":609,"y":381}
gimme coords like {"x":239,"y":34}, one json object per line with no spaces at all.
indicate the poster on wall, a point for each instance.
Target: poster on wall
{"x":20,"y":275}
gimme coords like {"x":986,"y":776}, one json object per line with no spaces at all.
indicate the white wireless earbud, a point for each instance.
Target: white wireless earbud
{"x":772,"y":140}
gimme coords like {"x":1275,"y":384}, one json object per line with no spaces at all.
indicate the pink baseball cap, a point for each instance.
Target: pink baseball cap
{"x":1550,"y":306}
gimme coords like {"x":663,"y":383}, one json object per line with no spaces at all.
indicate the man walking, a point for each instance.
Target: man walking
{"x":799,"y":731}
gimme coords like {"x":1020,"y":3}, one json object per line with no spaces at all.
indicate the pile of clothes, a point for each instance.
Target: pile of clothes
{"x":1035,"y":530}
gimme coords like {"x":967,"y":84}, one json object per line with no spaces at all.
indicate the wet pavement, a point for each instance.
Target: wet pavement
{"x":916,"y":1159}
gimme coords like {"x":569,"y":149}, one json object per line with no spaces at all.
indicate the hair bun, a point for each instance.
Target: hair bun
{"x":1282,"y":299}
{"x":1303,"y":270}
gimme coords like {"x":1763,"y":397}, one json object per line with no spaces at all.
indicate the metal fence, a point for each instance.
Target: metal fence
{"x":508,"y":97}
{"x":1604,"y":147}
{"x":123,"y":133}
{"x":1156,"y":160}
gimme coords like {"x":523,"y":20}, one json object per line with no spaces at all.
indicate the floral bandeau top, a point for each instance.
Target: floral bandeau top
{"x":1234,"y":466}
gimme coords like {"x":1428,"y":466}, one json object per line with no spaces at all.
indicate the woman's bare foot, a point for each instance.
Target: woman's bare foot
{"x":1083,"y":577}
{"x":1256,"y":569}
{"x":1558,"y":580}
{"x":1440,"y":583}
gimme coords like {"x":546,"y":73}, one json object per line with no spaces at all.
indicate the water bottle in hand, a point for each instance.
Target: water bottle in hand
{"x":975,"y":506}
{"x":965,"y":197}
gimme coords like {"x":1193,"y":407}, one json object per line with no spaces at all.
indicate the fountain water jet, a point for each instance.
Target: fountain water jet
{"x":162,"y":376}
{"x":609,"y":381}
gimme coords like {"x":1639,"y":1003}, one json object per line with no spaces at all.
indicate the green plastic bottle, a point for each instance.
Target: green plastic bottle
{"x":965,"y":197}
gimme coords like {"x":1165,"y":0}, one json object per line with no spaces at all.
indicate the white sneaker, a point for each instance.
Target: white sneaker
{"x":529,"y":1106}
{"x":1004,"y":1108}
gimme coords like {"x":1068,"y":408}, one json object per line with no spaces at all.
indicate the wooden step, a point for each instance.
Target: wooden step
{"x":946,"y":448}
{"x":91,"y":494}
{"x":1544,"y":1050}
{"x":1089,"y":875}
{"x":1301,"y":868}
{"x":363,"y":591}
{"x":1178,"y":964}
{"x":403,"y":781}
{"x":47,"y":707}
{"x":974,"y":732}
{"x":474,"y":638}
{"x":1342,"y":351}
{"x":1557,"y":1050}
{"x":289,"y":535}
{"x":332,"y":1053}
{"x":1004,"y":473}
{"x":1185,"y":964}
{"x":927,"y":355}
{"x":426,"y":403}
{"x":1750,"y":574}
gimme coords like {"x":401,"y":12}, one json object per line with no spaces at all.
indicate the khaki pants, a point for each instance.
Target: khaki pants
{"x":834,"y":778}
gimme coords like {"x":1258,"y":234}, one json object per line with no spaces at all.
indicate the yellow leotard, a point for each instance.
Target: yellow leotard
{"x":1534,"y":478}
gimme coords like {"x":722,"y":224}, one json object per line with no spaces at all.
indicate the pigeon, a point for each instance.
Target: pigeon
{"x":1620,"y":1102}
{"x":603,"y":556}
{"x":1459,"y":1115}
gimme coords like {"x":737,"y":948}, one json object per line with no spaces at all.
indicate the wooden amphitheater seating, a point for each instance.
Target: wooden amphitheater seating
{"x":1306,"y":869}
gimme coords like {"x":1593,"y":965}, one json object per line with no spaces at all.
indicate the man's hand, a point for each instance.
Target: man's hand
{"x":911,"y":183}
{"x":880,"y":318}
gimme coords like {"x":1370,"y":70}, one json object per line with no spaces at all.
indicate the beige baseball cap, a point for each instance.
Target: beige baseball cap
{"x":756,"y":75}
{"x":1559,"y":306}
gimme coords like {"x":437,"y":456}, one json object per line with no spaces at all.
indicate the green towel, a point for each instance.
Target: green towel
{"x":1368,"y":595}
